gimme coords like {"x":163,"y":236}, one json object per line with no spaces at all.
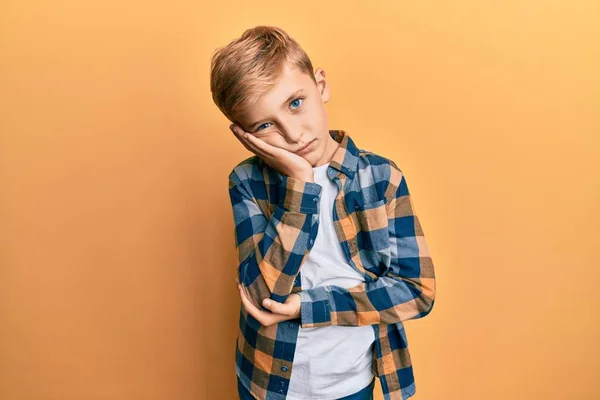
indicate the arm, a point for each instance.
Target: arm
{"x":406,"y":290}
{"x":271,"y":250}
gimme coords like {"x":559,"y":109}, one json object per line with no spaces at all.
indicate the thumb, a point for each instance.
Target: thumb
{"x":276,"y":307}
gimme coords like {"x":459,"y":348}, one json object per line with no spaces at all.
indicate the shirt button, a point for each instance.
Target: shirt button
{"x":284,"y":368}
{"x":311,"y":242}
{"x":292,"y":325}
{"x":315,"y":199}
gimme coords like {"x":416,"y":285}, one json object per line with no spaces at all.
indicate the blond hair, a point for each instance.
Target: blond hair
{"x":251,"y":64}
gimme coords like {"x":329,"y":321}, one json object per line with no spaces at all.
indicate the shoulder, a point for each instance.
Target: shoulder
{"x":382,"y":173}
{"x":246,"y":169}
{"x":382,"y":167}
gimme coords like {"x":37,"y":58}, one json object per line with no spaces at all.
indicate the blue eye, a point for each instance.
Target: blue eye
{"x":262,"y":125}
{"x":298,"y":99}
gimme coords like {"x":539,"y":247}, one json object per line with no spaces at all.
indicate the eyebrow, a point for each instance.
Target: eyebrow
{"x":291,"y":97}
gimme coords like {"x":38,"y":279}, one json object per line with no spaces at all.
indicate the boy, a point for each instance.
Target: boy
{"x":332,"y":258}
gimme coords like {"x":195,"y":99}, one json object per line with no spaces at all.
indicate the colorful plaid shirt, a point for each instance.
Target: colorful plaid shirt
{"x":276,"y":221}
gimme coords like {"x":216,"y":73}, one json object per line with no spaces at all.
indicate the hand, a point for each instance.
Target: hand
{"x":285,"y":162}
{"x":277,"y":311}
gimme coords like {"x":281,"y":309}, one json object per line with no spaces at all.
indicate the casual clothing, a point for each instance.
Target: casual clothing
{"x":276,"y":221}
{"x":331,"y":361}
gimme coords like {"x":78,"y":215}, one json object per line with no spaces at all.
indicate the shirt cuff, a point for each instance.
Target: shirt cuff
{"x":299,"y":196}
{"x":315,"y":307}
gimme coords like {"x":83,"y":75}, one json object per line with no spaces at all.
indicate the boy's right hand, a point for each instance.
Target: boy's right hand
{"x":285,"y":162}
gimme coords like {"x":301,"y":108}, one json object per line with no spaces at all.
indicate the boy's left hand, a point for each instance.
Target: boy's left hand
{"x":277,"y":311}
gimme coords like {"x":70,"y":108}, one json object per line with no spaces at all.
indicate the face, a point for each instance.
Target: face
{"x":292,"y":114}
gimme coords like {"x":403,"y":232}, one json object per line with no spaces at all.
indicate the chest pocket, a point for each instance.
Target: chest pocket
{"x":373,"y":240}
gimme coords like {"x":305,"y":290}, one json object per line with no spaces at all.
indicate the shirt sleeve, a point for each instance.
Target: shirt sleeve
{"x":405,"y":291}
{"x":271,"y":250}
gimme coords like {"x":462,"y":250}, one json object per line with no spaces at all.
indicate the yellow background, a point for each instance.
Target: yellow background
{"x":116,"y":234}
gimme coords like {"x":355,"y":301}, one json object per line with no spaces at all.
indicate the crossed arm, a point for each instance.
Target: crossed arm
{"x":271,"y":251}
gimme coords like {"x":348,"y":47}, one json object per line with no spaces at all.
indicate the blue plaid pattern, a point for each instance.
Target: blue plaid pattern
{"x":276,"y":220}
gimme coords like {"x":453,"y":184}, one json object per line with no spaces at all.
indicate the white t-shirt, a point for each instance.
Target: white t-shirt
{"x":331,"y":361}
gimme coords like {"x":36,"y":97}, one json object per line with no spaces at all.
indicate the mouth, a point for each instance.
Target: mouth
{"x":303,"y":149}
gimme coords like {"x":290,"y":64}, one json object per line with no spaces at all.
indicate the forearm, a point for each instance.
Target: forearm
{"x":386,"y":300}
{"x":270,"y":269}
{"x":406,"y":290}
{"x":271,"y":250}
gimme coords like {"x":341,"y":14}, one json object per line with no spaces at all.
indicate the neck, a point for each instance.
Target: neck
{"x":331,"y":147}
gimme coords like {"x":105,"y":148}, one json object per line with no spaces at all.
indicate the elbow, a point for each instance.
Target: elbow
{"x":427,"y":298}
{"x":255,"y":295}
{"x":254,"y":288}
{"x":257,"y":288}
{"x":427,"y":308}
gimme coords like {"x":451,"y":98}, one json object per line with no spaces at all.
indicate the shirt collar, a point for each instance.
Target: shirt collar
{"x":345,"y":158}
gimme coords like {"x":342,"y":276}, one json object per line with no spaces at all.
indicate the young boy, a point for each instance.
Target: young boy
{"x":332,"y":258}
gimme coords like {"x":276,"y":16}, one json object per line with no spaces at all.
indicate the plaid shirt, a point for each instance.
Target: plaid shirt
{"x":276,"y":220}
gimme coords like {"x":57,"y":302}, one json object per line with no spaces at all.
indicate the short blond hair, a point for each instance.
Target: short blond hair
{"x":251,"y":64}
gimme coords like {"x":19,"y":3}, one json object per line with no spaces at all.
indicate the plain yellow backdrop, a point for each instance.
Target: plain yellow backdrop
{"x":117,"y":258}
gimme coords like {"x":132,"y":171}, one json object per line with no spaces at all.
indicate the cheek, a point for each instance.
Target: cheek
{"x":274,"y":139}
{"x":317,"y":118}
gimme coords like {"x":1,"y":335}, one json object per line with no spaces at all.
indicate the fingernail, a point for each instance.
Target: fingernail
{"x":245,"y":135}
{"x":267,"y":303}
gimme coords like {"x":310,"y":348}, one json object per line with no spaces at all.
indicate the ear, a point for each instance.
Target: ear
{"x":322,"y":85}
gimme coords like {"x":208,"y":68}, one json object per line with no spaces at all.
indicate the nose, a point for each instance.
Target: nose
{"x":291,"y":133}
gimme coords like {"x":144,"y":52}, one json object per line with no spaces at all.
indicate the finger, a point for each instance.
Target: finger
{"x":246,"y":298}
{"x":266,"y":318}
{"x":256,"y":145}
{"x":248,"y":143}
{"x":251,"y":308}
{"x":238,"y":135}
{"x":240,"y":292}
{"x":264,"y":147}
{"x":265,"y":151}
{"x":276,"y":307}
{"x":248,"y":306}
